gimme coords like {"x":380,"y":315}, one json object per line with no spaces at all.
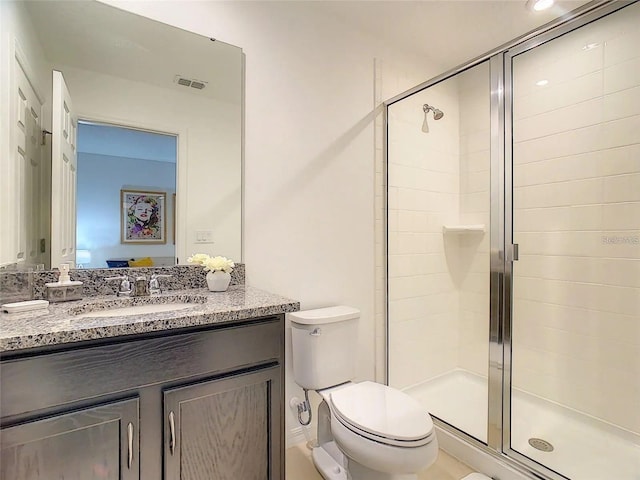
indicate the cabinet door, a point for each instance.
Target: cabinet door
{"x":94,"y":443}
{"x":227,"y":429}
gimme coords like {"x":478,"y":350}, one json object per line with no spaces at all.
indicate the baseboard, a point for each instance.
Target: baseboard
{"x":296,"y":436}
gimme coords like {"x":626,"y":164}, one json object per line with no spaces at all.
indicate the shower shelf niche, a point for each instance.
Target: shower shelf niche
{"x":463,"y":229}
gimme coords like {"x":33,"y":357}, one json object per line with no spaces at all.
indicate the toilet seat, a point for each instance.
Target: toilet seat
{"x":382,"y":414}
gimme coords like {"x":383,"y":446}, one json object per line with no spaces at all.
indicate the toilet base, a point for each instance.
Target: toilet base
{"x":329,"y":461}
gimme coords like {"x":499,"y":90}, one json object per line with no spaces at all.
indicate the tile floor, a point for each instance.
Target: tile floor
{"x":299,"y":466}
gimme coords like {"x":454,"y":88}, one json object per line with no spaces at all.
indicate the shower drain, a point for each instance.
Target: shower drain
{"x":540,"y":444}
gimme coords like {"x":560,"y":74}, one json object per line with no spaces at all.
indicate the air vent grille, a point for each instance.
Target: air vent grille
{"x":189,"y":82}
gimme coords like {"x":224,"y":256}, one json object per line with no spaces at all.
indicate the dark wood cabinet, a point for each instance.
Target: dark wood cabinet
{"x":198,"y":405}
{"x":96,"y":442}
{"x":223,"y":429}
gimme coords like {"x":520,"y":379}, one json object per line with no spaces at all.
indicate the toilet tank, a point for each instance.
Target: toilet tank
{"x":325,"y":342}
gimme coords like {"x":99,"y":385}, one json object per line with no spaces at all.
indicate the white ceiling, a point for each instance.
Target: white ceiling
{"x":102,"y":38}
{"x":449,"y":32}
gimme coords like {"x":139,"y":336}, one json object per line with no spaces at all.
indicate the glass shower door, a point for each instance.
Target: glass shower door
{"x":438,"y":152}
{"x":575,"y":329}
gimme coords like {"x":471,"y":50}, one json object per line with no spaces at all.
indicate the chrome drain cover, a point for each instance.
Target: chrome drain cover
{"x":540,"y":444}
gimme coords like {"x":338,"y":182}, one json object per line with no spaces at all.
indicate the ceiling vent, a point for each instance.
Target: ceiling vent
{"x":189,"y":82}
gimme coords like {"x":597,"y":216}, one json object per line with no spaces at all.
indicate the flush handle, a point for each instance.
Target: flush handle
{"x":316,"y":332}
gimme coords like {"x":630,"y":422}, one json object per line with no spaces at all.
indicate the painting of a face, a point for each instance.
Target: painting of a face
{"x":143,"y":218}
{"x":142,"y":211}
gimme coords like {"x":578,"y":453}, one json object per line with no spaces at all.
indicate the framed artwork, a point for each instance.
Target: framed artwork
{"x":143,"y":217}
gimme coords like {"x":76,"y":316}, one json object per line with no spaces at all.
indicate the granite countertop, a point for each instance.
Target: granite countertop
{"x":61,"y":323}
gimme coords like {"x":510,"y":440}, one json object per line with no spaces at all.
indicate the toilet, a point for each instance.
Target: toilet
{"x":366,"y":430}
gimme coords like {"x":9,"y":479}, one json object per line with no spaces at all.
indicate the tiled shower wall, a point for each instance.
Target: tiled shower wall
{"x":471,"y":251}
{"x":576,"y":309}
{"x":424,"y":195}
{"x":577,"y":219}
{"x":439,"y":283}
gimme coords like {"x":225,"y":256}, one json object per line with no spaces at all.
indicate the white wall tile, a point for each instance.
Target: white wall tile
{"x":622,"y":188}
{"x":553,"y":96}
{"x":563,"y":119}
{"x":622,"y":76}
{"x":625,"y":103}
{"x":620,"y":160}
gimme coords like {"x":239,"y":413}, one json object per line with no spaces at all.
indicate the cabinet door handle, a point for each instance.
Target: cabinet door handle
{"x":172,"y":430}
{"x":130,"y":442}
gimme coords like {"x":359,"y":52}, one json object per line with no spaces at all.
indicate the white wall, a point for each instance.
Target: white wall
{"x":577,"y":219}
{"x":309,"y":160}
{"x":100,"y":179}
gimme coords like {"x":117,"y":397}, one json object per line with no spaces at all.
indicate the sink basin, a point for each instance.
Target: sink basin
{"x":124,"y":307}
{"x":137,"y":310}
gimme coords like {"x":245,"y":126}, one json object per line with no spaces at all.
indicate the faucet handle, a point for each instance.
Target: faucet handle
{"x":125,"y":285}
{"x":160,"y":275}
{"x":154,"y":285}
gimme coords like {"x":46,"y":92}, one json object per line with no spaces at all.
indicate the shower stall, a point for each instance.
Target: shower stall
{"x":513,"y":248}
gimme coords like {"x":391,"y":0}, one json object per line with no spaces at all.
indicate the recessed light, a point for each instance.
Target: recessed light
{"x":542,"y":83}
{"x":539,"y":5}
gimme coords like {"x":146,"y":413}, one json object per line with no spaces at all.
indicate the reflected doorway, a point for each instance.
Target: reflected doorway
{"x":117,"y":166}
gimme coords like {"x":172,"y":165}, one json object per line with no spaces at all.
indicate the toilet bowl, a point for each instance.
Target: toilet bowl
{"x":383,"y":433}
{"x":366,"y":431}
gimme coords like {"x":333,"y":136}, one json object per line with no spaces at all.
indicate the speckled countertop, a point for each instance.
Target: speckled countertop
{"x":68,"y":322}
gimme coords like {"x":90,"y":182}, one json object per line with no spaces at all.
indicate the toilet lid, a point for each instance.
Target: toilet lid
{"x":383,"y":411}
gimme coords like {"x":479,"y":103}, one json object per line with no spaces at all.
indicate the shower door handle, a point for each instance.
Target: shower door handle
{"x":514,"y":252}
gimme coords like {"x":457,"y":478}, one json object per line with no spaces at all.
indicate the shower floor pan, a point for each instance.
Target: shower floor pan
{"x":584,"y":448}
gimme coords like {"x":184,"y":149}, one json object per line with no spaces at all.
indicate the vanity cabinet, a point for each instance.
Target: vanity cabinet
{"x":203,"y":404}
{"x":96,"y":442}
{"x":220,"y":430}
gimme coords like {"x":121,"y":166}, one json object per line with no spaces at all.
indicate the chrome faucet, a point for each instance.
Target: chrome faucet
{"x":140,"y":286}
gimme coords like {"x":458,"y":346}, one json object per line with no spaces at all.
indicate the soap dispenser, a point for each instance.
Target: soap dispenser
{"x":64,"y":273}
{"x":64,"y":289}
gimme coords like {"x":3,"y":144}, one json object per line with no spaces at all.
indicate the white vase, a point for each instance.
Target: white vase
{"x":218,"y":281}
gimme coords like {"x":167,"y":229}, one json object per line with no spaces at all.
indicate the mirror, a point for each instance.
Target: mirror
{"x":123,"y":70}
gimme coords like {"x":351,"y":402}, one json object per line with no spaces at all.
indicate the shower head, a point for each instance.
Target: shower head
{"x":437,"y":115}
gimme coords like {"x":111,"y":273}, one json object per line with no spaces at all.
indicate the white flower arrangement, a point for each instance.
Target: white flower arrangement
{"x":212,"y":264}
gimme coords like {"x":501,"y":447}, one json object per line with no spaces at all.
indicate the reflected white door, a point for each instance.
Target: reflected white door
{"x":63,"y":175}
{"x":21,"y":189}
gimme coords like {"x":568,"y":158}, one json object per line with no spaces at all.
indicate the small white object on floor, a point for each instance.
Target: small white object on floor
{"x":476,"y":476}
{"x":24,"y":306}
